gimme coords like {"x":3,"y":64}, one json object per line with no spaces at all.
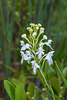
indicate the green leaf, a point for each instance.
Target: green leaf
{"x":36,"y":94}
{"x":28,"y":96}
{"x":56,"y":97}
{"x":5,"y":38}
{"x":31,"y":89}
{"x":22,"y":79}
{"x":62,"y":98}
{"x":20,"y":92}
{"x":1,"y":98}
{"x":58,"y":67}
{"x":14,"y":81}
{"x":44,"y":98}
{"x":10,"y":89}
{"x":49,"y":71}
{"x":55,"y":84}
{"x":65,"y":72}
{"x":61,"y":49}
{"x":40,"y":76}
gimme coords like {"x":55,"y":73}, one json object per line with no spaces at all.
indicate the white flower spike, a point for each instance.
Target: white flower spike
{"x":33,"y":51}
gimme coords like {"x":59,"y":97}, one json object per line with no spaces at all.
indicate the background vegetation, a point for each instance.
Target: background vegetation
{"x":15,"y":16}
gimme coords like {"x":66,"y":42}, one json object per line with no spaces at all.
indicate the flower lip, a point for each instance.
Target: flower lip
{"x":41,"y":44}
{"x":49,"y":57}
{"x":34,"y":66}
{"x":40,"y":52}
{"x":22,"y":53}
{"x":49,"y":41}
{"x":33,"y":63}
{"x":27,"y":45}
{"x":27,"y":52}
{"x":22,"y":43}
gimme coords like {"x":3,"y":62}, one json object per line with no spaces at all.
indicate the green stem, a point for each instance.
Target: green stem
{"x":29,"y":41}
{"x":49,"y":87}
{"x":58,"y":67}
{"x":39,"y":42}
{"x":37,"y":38}
{"x":43,"y":64}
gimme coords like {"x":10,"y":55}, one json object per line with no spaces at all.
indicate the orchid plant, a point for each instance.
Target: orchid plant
{"x":33,"y":51}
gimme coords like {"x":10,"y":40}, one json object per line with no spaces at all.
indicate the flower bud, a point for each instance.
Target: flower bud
{"x":23,"y":36}
{"x":39,"y":25}
{"x":34,"y":34}
{"x":44,"y":37}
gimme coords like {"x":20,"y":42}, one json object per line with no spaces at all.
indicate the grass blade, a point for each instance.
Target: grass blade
{"x":58,"y":67}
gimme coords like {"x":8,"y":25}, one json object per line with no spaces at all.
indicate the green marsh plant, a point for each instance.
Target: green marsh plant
{"x":7,"y":27}
{"x":34,"y":53}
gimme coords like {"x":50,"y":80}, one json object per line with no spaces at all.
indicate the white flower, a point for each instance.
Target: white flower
{"x":48,"y":43}
{"x":23,"y":36}
{"x":24,"y":47}
{"x":29,"y":58}
{"x":27,"y":46}
{"x":44,"y":37}
{"x":34,"y":70}
{"x":24,"y":56}
{"x":41,"y":32}
{"x":49,"y":57}
{"x":22,"y":43}
{"x":34,"y":34}
{"x":40,"y":52}
{"x":31,"y":30}
{"x":41,"y":44}
{"x":28,"y":53}
{"x":35,"y":66}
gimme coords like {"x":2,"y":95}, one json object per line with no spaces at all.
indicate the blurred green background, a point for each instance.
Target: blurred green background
{"x":15,"y":16}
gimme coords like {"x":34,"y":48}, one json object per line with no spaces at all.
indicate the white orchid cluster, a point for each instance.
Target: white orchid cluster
{"x":33,"y":51}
